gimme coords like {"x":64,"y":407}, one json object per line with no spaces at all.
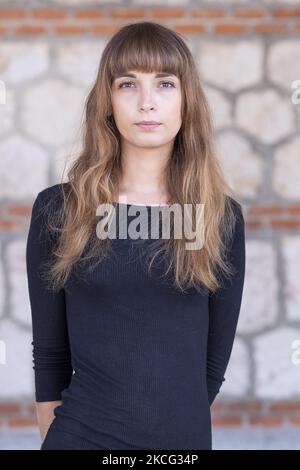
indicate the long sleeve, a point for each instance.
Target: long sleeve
{"x":224,"y":309}
{"x":51,"y":351}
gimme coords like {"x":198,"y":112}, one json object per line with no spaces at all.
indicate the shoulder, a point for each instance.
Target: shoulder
{"x":50,"y":198}
{"x":52,"y":192}
{"x":237,"y":211}
{"x":47,"y":204}
{"x":237,"y":223}
{"x":236,"y":206}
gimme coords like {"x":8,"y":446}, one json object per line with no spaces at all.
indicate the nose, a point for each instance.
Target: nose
{"x":147,"y":98}
{"x":147,"y":107}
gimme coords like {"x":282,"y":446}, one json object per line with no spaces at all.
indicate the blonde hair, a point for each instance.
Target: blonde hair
{"x":193,"y":174}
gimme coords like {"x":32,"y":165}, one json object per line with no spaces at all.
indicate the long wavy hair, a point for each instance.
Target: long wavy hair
{"x":193,"y":174}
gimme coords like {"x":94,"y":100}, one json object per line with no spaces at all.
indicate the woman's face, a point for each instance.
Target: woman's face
{"x":139,"y":97}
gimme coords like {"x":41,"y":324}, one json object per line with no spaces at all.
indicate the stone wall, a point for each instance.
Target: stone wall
{"x":248,"y":54}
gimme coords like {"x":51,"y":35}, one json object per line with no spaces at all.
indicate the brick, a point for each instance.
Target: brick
{"x":128,"y":13}
{"x":294,"y":210}
{"x":8,"y":226}
{"x":286,"y":13}
{"x":253,"y":13}
{"x":48,"y":14}
{"x":266,"y":421}
{"x":266,"y":210}
{"x":228,"y":421}
{"x":89,"y":14}
{"x":105,"y":29}
{"x":243,"y":407}
{"x":70,"y":30}
{"x":10,"y":408}
{"x":167,"y":13}
{"x":285,"y":406}
{"x":285,"y":224}
{"x":230,"y":28}
{"x":207,"y":14}
{"x":253,"y":225}
{"x":218,"y":407}
{"x":270,"y":28}
{"x":22,"y":422}
{"x":30,"y":30}
{"x":189,"y":28}
{"x":294,"y":420}
{"x":12,"y":14}
{"x":20,"y":210}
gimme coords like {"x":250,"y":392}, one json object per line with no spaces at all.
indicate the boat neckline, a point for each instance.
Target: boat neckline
{"x":141,"y":205}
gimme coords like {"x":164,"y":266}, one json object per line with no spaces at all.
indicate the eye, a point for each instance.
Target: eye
{"x":124,"y":83}
{"x":169,"y":83}
{"x":131,"y":83}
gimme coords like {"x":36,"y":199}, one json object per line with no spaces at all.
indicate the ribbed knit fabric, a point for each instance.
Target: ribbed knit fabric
{"x":58,"y":439}
{"x":136,"y":362}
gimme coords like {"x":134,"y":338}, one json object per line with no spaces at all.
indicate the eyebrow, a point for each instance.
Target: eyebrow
{"x":158,"y":75}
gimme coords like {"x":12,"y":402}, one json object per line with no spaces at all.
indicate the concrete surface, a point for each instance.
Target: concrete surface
{"x":286,"y":438}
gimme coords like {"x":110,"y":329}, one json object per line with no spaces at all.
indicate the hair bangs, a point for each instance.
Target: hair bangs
{"x":145,"y":52}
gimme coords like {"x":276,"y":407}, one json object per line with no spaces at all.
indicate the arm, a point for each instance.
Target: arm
{"x":224,"y":309}
{"x":51,"y":351}
{"x":45,"y":415}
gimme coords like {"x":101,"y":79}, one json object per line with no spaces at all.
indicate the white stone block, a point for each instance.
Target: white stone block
{"x":23,"y":168}
{"x":19,"y":297}
{"x":276,"y":374}
{"x":291,"y":255}
{"x":259,"y":307}
{"x":231,"y":66}
{"x":220,"y":108}
{"x":265,"y":114}
{"x":7,"y":112}
{"x":79,"y":61}
{"x":235,"y":152}
{"x":283,"y":63}
{"x":237,"y":375}
{"x":16,"y":375}
{"x":22,"y":61}
{"x":52,"y":111}
{"x":286,"y":174}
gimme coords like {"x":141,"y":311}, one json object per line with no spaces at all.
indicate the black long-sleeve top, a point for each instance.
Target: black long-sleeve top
{"x":136,"y":363}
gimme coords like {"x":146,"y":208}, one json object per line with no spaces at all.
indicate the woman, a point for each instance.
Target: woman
{"x":132,"y":337}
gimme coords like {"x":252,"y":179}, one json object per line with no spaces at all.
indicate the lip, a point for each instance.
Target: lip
{"x":147,"y":124}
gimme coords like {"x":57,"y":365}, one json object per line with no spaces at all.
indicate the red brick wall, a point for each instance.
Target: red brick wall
{"x":225,"y":414}
{"x":105,"y":20}
{"x":228,"y":21}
